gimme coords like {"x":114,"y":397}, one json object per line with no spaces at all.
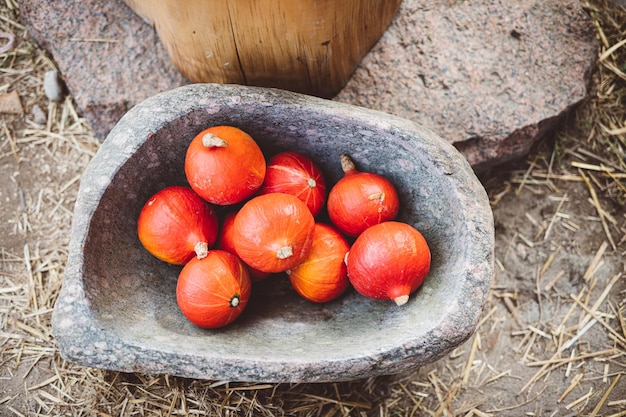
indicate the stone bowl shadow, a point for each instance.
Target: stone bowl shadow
{"x":117,"y":306}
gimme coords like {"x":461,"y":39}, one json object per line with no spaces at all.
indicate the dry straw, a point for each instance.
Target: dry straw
{"x":551,"y":342}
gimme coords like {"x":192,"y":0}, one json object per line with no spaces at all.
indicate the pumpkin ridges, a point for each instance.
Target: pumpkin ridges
{"x":179,"y":213}
{"x":322,"y":275}
{"x":389,"y":261}
{"x":269,"y":222}
{"x":361,"y":199}
{"x":228,"y":174}
{"x":173,"y":221}
{"x":206,"y":288}
{"x":228,"y":289}
{"x":294,"y":173}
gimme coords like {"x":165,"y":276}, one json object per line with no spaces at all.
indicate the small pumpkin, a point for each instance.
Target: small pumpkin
{"x":296,"y":174}
{"x":322,"y":275}
{"x":389,"y":261}
{"x":212,"y":292}
{"x":176,"y":224}
{"x":224,"y":165}
{"x":361,"y":199}
{"x":273,"y":232}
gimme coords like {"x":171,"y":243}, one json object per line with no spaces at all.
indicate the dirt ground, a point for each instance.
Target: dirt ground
{"x":551,"y":342}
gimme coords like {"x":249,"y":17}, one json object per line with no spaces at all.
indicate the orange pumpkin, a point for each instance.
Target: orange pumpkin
{"x":212,"y":292}
{"x":361,"y":199}
{"x":389,"y":261}
{"x":273,"y":232}
{"x":296,"y":174}
{"x":176,"y":224}
{"x":224,"y":165}
{"x":322,"y":275}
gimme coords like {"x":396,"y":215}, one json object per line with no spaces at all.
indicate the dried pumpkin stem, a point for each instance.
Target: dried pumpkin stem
{"x":346,"y":163}
{"x":311,"y":182}
{"x":201,"y":249}
{"x":377,"y":196}
{"x":284,"y":252}
{"x":402,"y":300}
{"x":211,"y":140}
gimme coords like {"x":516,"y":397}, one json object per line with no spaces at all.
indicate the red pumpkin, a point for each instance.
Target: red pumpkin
{"x":388,"y":261}
{"x":295,"y":174}
{"x":224,"y":165}
{"x":361,"y":199}
{"x":176,"y":224}
{"x":273,"y":232}
{"x":212,"y":292}
{"x":226,"y":242}
{"x":322,"y":275}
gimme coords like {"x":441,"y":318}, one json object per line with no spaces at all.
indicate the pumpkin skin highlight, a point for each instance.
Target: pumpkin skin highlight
{"x":322,"y":275}
{"x":389,"y":261}
{"x":224,"y":165}
{"x":361,"y":199}
{"x":273,"y":232}
{"x":212,"y":292}
{"x":293,"y":173}
{"x":176,"y":224}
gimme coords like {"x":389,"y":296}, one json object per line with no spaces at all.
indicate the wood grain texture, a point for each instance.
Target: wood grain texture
{"x":310,"y":46}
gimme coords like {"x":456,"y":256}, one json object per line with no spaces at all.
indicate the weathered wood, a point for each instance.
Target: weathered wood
{"x":308,"y":46}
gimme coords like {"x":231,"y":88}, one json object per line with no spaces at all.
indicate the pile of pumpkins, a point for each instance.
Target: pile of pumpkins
{"x":268,"y":226}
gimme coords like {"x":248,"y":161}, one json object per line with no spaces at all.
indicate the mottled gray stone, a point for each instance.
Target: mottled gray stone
{"x":117,"y":307}
{"x":39,"y":116}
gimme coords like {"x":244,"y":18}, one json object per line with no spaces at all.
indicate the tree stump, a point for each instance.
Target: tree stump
{"x":306,"y":46}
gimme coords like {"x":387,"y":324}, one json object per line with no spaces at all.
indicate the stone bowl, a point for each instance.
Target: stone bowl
{"x":117,"y":307}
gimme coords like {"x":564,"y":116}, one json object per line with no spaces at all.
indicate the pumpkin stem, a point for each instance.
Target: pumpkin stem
{"x":211,"y":140}
{"x":377,"y":196}
{"x":201,"y":249}
{"x":284,"y":252}
{"x":311,"y":182}
{"x":346,"y":163}
{"x":399,"y":294}
{"x":402,"y":300}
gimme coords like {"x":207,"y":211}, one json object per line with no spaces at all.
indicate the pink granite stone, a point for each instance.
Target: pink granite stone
{"x":489,"y":76}
{"x":108,"y":57}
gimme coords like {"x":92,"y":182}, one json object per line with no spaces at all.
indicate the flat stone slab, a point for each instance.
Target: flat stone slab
{"x":108,"y":57}
{"x":489,"y":77}
{"x":117,"y":307}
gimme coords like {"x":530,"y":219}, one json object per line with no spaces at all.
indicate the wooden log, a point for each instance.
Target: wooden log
{"x":307,"y":46}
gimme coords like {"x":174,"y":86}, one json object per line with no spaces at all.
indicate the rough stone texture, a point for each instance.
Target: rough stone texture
{"x":108,"y":57}
{"x":117,"y":307}
{"x":489,"y":76}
